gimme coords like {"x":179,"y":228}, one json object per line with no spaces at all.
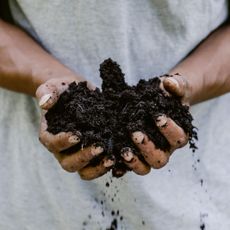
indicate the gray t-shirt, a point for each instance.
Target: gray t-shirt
{"x":147,"y":38}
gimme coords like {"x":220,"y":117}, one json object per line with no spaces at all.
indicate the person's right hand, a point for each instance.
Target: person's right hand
{"x":47,"y":95}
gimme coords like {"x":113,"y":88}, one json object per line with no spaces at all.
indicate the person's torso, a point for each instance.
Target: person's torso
{"x":146,"y":38}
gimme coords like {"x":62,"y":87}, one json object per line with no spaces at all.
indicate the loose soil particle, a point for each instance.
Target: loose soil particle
{"x":113,"y":225}
{"x":202,"y":227}
{"x":108,"y":117}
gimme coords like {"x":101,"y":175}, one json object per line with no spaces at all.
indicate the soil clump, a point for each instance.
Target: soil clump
{"x":107,"y":117}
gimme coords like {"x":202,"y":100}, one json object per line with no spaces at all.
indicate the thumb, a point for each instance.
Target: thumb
{"x":178,"y":85}
{"x":47,"y":95}
{"x":175,"y":84}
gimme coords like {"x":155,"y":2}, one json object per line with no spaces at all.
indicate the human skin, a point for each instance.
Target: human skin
{"x":26,"y":67}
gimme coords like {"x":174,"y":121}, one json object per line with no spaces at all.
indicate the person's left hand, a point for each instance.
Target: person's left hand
{"x":177,"y":138}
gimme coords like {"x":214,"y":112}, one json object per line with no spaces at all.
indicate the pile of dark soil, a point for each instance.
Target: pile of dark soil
{"x":108,"y":117}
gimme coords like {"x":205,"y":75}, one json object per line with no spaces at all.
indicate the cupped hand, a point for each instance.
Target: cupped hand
{"x":47,"y":95}
{"x":154,"y":157}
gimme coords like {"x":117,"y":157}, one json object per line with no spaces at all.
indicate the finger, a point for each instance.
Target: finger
{"x":153,"y":156}
{"x":57,"y":142}
{"x":165,"y":92}
{"x":60,"y":141}
{"x":92,"y":172}
{"x":79,"y":160}
{"x":47,"y":95}
{"x":172,"y":132}
{"x":134,"y":163}
{"x":109,"y":161}
{"x":49,"y":92}
{"x":176,"y":85}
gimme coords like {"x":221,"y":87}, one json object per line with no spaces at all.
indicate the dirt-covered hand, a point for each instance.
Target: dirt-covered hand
{"x":154,"y":157}
{"x":47,"y":95}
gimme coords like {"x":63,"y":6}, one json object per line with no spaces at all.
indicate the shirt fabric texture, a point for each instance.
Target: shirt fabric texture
{"x":147,"y":38}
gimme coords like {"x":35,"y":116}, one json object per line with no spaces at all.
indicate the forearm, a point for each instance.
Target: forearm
{"x":24,"y":65}
{"x":207,"y":68}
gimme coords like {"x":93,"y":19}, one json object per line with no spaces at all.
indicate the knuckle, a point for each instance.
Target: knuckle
{"x":49,"y":145}
{"x":61,"y":141}
{"x":85,"y":176}
{"x":182,"y":141}
{"x":148,"y":171}
{"x":67,"y":167}
{"x":143,"y":171}
{"x":45,"y":141}
{"x":42,"y":135}
{"x":160,"y":163}
{"x":39,"y":90}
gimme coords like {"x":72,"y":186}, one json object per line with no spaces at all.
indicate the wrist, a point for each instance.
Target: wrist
{"x":41,"y":75}
{"x":24,"y":65}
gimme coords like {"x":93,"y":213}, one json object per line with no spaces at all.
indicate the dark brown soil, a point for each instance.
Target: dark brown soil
{"x":108,"y":117}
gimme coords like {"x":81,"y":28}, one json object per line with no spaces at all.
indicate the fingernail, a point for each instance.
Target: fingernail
{"x":96,"y":150}
{"x":74,"y":139}
{"x":44,"y":99}
{"x":138,"y":137}
{"x":173,"y":81}
{"x":161,"y":121}
{"x":109,"y":162}
{"x":127,"y":155}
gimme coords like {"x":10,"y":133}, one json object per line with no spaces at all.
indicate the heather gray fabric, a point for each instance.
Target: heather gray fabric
{"x":147,"y":38}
